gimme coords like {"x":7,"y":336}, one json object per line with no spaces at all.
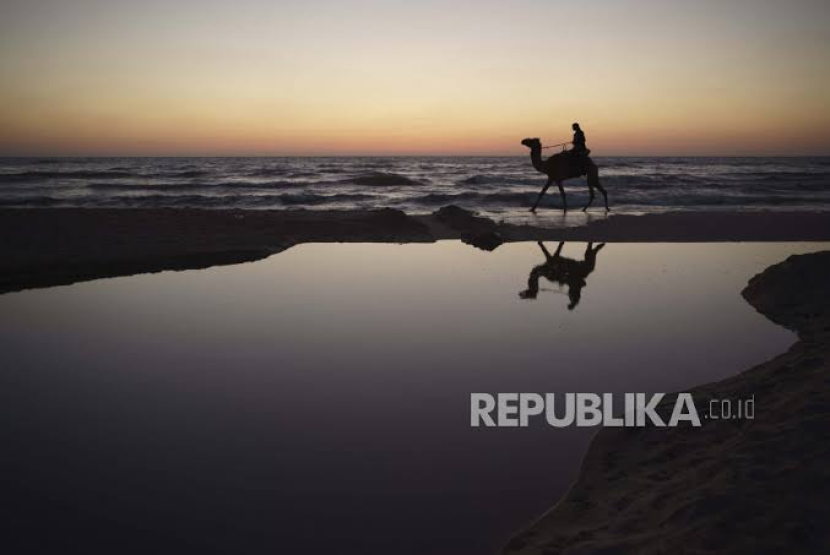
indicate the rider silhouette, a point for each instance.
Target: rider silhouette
{"x":579,"y":148}
{"x":579,"y":152}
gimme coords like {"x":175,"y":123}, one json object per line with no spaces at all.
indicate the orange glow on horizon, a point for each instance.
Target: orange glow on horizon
{"x":371,"y":78}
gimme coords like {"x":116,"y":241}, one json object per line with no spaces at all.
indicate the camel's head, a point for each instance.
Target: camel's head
{"x":532,"y":143}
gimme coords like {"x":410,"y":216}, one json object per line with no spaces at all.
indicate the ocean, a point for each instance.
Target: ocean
{"x":501,"y":187}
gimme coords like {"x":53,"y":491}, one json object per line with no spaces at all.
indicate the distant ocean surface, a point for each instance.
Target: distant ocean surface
{"x":499,"y":186}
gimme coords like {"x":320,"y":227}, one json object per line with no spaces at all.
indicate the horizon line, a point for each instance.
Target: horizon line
{"x":517,"y":155}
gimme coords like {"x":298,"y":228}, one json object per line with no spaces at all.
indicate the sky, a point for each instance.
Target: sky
{"x":355,"y":77}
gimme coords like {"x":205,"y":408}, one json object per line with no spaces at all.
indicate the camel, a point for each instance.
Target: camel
{"x":560,"y":167}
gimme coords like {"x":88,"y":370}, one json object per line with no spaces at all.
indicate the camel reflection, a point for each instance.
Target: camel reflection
{"x":563,"y":271}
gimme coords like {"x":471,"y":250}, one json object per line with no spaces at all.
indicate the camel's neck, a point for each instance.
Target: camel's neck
{"x":536,"y":158}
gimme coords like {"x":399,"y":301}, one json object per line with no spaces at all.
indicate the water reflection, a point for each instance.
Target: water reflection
{"x":562,"y":271}
{"x":265,"y":408}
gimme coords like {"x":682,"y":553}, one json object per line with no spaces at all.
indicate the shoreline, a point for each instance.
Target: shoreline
{"x":651,"y":489}
{"x":44,"y":247}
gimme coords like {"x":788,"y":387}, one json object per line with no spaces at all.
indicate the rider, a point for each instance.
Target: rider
{"x":579,"y":151}
{"x":579,"y":140}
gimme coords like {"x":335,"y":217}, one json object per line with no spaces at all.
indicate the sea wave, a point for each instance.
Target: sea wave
{"x":38,"y":175}
{"x":67,"y":174}
{"x":266,"y":172}
{"x":230,"y":186}
{"x":382,"y":179}
{"x":491,"y":184}
{"x":498,"y":180}
{"x":184,"y":201}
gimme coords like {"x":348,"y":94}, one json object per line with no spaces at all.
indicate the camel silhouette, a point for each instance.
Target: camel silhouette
{"x":564,"y":271}
{"x":562,"y":166}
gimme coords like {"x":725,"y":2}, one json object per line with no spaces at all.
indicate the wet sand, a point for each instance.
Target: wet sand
{"x":48,"y":247}
{"x":731,"y":486}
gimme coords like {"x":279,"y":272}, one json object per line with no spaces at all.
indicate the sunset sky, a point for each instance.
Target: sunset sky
{"x":268,"y":77}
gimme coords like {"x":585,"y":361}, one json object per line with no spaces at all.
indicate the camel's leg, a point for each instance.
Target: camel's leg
{"x":604,"y":196}
{"x":601,"y":188}
{"x":590,"y":197}
{"x":593,"y":181}
{"x":541,"y":194}
{"x":544,"y":250}
{"x":562,"y":192}
{"x":548,"y":257}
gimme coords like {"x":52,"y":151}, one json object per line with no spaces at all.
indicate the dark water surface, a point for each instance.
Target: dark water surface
{"x":318,"y":401}
{"x":503,"y":187}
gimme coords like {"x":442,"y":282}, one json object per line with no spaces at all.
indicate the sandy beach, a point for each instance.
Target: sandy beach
{"x":47,"y":247}
{"x":735,"y":486}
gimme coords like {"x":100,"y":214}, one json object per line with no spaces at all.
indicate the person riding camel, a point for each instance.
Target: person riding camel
{"x":579,"y":140}
{"x":568,"y":164}
{"x":579,"y":152}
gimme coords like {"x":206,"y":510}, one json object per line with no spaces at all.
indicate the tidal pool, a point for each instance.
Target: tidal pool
{"x":318,"y":401}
